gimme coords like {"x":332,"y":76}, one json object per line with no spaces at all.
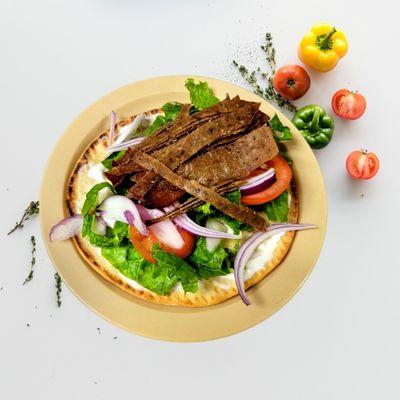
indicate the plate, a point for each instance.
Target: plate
{"x":169,"y":322}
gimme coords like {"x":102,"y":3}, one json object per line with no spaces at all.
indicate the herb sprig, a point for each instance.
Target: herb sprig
{"x":33,"y":260}
{"x":30,"y":211}
{"x":58,"y":287}
{"x":251,"y":77}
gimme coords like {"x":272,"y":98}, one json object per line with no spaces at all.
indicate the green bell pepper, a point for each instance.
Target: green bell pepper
{"x":315,"y":125}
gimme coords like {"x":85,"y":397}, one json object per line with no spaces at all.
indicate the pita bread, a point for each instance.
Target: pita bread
{"x":212,"y":291}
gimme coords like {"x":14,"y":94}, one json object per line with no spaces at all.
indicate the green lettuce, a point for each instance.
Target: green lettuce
{"x":114,"y":236}
{"x":112,"y":157}
{"x":201,"y":95}
{"x":131,"y":264}
{"x":160,"y":277}
{"x":207,"y":210}
{"x":209,"y":264}
{"x":185,"y":273}
{"x":281,"y":132}
{"x":171,"y":111}
{"x":91,"y":201}
{"x":278,"y":209}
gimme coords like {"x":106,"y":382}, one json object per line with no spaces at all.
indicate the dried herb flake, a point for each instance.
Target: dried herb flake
{"x":30,"y":211}
{"x":33,"y":260}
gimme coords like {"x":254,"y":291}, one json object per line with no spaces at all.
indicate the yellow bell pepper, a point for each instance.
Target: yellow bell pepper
{"x":322,"y":47}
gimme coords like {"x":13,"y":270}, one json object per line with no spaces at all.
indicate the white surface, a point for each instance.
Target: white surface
{"x":337,"y":339}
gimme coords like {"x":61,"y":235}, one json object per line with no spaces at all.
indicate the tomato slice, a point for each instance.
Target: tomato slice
{"x":362,"y":165}
{"x":144,"y":244}
{"x":348,"y":105}
{"x":283,"y":174}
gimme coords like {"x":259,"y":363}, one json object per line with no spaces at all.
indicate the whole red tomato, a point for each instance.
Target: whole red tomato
{"x":361,"y":164}
{"x":291,"y":81}
{"x":348,"y":105}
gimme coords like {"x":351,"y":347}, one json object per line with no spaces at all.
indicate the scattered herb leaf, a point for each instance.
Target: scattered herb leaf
{"x":269,"y":50}
{"x":58,"y":288}
{"x":33,"y":260}
{"x":30,"y":211}
{"x":269,"y":93}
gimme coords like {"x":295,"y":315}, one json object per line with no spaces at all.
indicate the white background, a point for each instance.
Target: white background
{"x":338,"y":338}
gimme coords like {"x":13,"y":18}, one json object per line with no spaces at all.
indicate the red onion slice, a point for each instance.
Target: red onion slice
{"x":120,"y":208}
{"x":113,"y":118}
{"x":66,"y":228}
{"x":99,"y":226}
{"x":166,"y":233}
{"x":258,"y":183}
{"x":248,"y":248}
{"x":186,"y":223}
{"x":148,"y":213}
{"x":125,"y":145}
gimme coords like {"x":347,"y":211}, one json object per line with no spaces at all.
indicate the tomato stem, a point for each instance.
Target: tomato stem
{"x":324,"y":43}
{"x":290,"y":82}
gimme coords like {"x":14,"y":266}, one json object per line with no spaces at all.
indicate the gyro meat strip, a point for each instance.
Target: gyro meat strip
{"x":172,"y":132}
{"x":259,"y":119}
{"x":233,"y":161}
{"x":242,"y":213}
{"x":183,"y":149}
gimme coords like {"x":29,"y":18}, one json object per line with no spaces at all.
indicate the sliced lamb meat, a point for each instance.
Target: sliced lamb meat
{"x":242,"y":213}
{"x":163,"y":194}
{"x":168,"y":134}
{"x":231,"y":162}
{"x":181,"y":150}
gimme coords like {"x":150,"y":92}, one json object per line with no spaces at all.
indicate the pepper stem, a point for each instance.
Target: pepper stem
{"x":315,"y":121}
{"x":324,"y":43}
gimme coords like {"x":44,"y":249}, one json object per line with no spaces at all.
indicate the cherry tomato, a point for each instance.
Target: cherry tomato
{"x":362,"y":165}
{"x":283,"y":175}
{"x":291,"y":81}
{"x":144,"y":244}
{"x":348,"y":105}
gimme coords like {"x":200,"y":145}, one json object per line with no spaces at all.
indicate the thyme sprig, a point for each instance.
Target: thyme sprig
{"x":251,"y":77}
{"x":33,"y":260}
{"x":269,"y":50}
{"x":58,"y":287}
{"x":30,"y":211}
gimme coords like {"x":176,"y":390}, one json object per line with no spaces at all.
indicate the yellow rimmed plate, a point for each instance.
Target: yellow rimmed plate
{"x":168,"y":322}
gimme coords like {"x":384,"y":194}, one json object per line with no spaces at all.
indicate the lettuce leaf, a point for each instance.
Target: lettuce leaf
{"x":207,"y":210}
{"x":113,"y":237}
{"x":131,"y":264}
{"x":278,"y":209}
{"x":171,"y":111}
{"x":161,"y":277}
{"x":209,"y":264}
{"x":185,"y":273}
{"x":112,"y":157}
{"x":281,"y":132}
{"x":201,"y":95}
{"x":90,"y":204}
